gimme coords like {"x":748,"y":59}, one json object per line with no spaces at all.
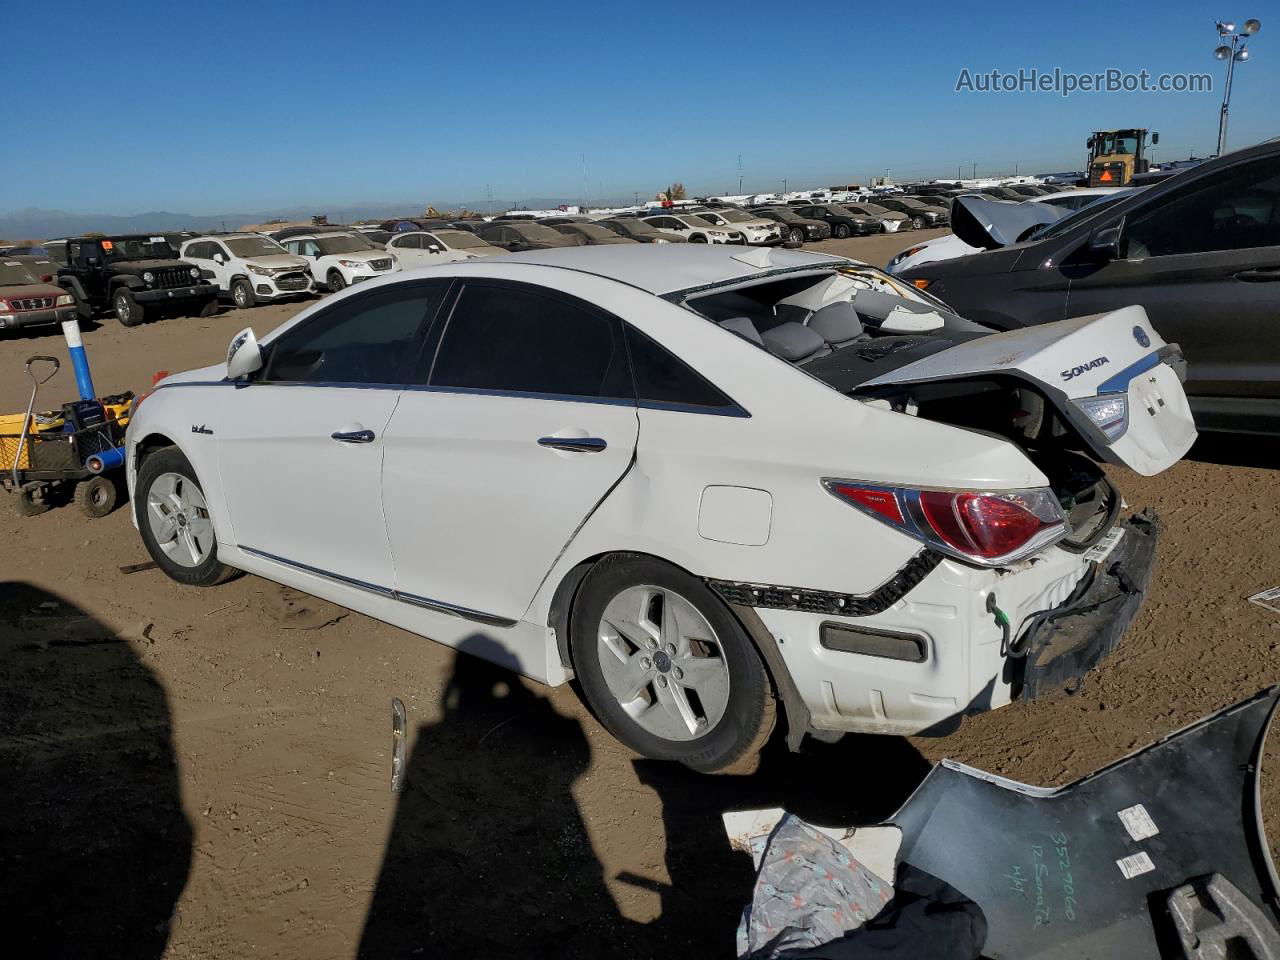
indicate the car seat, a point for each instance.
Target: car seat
{"x":837,"y":323}
{"x":795,"y":342}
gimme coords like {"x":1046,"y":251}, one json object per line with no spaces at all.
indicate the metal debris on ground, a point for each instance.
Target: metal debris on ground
{"x":138,"y":567}
{"x":1268,"y":599}
{"x":399,"y":721}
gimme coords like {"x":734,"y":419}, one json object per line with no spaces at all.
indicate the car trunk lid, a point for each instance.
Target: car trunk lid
{"x":1076,"y":364}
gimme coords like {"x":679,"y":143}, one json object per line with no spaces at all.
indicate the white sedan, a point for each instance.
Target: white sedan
{"x":705,"y":481}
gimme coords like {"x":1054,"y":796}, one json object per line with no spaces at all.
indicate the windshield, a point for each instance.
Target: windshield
{"x":1059,"y":227}
{"x":255,"y":247}
{"x":138,"y":248}
{"x":1115,"y":143}
{"x":634,"y":226}
{"x":873,"y":209}
{"x":343,"y":243}
{"x":536,"y":231}
{"x":788,"y":215}
{"x":736,"y":216}
{"x":14,"y":274}
{"x":459,"y":239}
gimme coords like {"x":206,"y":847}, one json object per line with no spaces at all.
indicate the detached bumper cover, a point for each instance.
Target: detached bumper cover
{"x":1067,"y":642}
{"x":1160,"y":855}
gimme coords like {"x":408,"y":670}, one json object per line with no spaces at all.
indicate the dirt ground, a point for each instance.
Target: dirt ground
{"x":205,"y":773}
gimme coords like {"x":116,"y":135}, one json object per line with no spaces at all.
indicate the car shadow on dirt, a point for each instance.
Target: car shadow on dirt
{"x":94,"y":846}
{"x":489,"y":856}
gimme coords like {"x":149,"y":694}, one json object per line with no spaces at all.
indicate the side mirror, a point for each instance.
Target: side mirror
{"x":244,"y":356}
{"x":1088,"y":144}
{"x":1155,"y":138}
{"x":434,"y":249}
{"x":219,"y":258}
{"x":1104,"y":243}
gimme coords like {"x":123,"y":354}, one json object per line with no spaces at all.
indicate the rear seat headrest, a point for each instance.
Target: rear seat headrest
{"x":837,"y":323}
{"x":744,"y":328}
{"x":793,"y":341}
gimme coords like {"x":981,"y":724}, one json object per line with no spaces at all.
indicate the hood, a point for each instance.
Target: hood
{"x":979,"y":264}
{"x":277,"y":260}
{"x":25,"y":291}
{"x":213,"y":372}
{"x":990,"y":224}
{"x":139,"y":267}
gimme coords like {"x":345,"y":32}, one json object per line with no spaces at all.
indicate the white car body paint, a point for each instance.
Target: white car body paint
{"x":462,"y":532}
{"x":423,"y":248}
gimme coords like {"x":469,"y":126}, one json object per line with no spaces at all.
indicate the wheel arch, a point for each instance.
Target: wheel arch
{"x":153,"y":441}
{"x":560,"y":620}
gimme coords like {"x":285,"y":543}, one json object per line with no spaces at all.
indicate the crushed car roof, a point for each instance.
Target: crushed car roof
{"x":661,"y":269}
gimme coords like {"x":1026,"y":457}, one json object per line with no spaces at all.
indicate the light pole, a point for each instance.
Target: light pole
{"x":1232,"y":47}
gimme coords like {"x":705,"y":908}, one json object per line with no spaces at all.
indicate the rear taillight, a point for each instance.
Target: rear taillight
{"x":981,"y":526}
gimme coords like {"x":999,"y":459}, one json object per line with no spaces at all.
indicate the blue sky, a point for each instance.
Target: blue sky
{"x":229,"y":106}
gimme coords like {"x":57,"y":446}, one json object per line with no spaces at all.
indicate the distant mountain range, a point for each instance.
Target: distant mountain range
{"x":38,"y":224}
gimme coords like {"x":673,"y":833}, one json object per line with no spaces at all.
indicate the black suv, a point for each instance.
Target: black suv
{"x":137,"y":276}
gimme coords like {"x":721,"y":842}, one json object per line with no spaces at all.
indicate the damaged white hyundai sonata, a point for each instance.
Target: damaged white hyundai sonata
{"x":701,"y":480}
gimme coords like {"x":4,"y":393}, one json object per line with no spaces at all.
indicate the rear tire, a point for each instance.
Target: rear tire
{"x":840,"y":231}
{"x":31,"y":500}
{"x":334,"y":281}
{"x":97,"y":496}
{"x":242,"y":295}
{"x":174,"y":521}
{"x":129,"y":312}
{"x":666,"y":667}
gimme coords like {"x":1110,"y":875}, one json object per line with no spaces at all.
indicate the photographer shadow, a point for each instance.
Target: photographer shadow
{"x":94,"y":846}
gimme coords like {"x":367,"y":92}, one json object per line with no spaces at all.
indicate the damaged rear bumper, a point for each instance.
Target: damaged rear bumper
{"x":1065,"y":643}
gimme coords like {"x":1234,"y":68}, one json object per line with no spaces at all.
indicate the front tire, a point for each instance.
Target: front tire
{"x":840,"y":231}
{"x":697,"y":238}
{"x":666,"y":667}
{"x":242,"y":295}
{"x":129,"y":312}
{"x":334,"y":281}
{"x":917,"y":223}
{"x":796,"y":236}
{"x":173,"y":518}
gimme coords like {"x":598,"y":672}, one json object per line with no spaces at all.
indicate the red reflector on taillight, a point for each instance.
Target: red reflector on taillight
{"x":158,"y":376}
{"x":981,"y":525}
{"x":881,"y":501}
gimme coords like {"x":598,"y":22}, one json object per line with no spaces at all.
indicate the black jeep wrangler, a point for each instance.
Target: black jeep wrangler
{"x":137,"y":276}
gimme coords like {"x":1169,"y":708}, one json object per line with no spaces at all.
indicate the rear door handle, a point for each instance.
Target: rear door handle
{"x":1260,"y":275}
{"x":353,"y":436}
{"x":574,"y":444}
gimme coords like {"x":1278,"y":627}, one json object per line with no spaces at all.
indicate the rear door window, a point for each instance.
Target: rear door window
{"x":517,"y":338}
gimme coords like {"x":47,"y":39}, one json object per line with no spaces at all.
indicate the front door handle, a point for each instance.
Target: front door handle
{"x":573,"y":444}
{"x":353,"y":436}
{"x":1260,"y":275}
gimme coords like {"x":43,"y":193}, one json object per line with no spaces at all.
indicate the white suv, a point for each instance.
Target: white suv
{"x":338,"y":259}
{"x":755,"y":230}
{"x":422,"y":248}
{"x":696,"y":479}
{"x":249,"y":267}
{"x":693,"y":228}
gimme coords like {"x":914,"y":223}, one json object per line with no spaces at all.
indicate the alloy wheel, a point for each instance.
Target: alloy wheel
{"x":178,"y":517}
{"x":663,"y":662}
